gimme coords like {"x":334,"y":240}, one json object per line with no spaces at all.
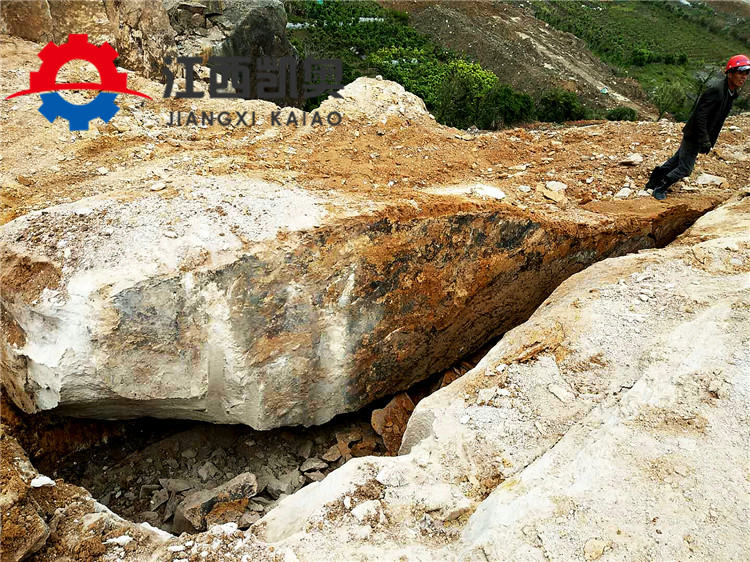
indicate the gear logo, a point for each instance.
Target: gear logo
{"x":103,"y":106}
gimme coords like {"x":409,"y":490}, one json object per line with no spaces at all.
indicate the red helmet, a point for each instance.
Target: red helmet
{"x":738,"y":62}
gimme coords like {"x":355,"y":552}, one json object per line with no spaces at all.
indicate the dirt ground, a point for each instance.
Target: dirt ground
{"x":393,"y":156}
{"x":402,"y":154}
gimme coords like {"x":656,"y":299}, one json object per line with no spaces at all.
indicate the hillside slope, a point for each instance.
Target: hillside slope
{"x":523,"y":50}
{"x":661,"y":44}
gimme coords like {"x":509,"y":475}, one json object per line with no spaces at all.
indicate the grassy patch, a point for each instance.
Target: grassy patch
{"x":661,"y":44}
{"x":371,"y":40}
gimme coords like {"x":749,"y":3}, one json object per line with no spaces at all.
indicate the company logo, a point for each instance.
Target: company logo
{"x":54,"y":57}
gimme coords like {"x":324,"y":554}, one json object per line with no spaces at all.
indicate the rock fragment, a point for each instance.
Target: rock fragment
{"x":208,"y":471}
{"x":593,"y":549}
{"x":190,"y":515}
{"x":332,"y":454}
{"x":313,"y":464}
{"x":369,"y":511}
{"x":710,"y":179}
{"x":556,"y":196}
{"x":632,"y":159}
{"x":623,"y":193}
{"x":556,"y":186}
{"x":390,"y":422}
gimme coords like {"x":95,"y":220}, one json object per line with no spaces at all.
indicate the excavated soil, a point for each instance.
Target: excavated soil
{"x":368,"y":156}
{"x":399,"y":155}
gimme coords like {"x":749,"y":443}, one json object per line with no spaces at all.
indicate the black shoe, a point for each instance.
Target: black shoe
{"x":655,"y":178}
{"x":660,"y":194}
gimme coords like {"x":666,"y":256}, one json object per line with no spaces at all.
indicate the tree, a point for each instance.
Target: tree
{"x":667,"y":98}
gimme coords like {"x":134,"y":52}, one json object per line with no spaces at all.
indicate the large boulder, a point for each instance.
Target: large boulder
{"x":603,"y":426}
{"x":143,"y":36}
{"x":233,"y":28}
{"x":236,"y":300}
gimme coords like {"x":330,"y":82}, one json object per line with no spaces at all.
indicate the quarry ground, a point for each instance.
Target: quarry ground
{"x":392,"y":154}
{"x":367,"y":155}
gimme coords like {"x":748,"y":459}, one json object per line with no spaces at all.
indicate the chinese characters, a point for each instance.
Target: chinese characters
{"x":260,"y":77}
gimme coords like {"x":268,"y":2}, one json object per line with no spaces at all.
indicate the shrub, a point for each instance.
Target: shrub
{"x":622,"y":113}
{"x":559,"y":105}
{"x":419,"y":71}
{"x":464,"y":86}
{"x":502,"y":106}
{"x":667,"y":98}
{"x":641,"y":57}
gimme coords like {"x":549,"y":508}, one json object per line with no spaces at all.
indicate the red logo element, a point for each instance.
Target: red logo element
{"x":77,"y":48}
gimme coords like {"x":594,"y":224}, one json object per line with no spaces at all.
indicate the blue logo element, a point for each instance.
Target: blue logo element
{"x":103,"y":106}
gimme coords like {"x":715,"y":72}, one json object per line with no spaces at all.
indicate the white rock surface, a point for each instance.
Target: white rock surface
{"x":710,"y":179}
{"x":608,"y":441}
{"x":556,"y":186}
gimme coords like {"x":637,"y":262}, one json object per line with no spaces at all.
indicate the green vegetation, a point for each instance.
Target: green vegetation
{"x":560,"y":105}
{"x":459,"y":92}
{"x":622,"y":113}
{"x":671,"y":48}
{"x":668,"y":46}
{"x":502,"y":106}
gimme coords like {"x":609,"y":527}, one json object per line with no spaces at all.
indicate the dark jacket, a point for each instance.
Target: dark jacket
{"x":709,"y":114}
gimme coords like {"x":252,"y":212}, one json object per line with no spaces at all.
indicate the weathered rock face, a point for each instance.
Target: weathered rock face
{"x":138,"y":29}
{"x":259,"y":29}
{"x":605,"y":422}
{"x":82,"y":16}
{"x":199,"y":306}
{"x":28,"y":20}
{"x":145,"y":33}
{"x":231,"y":28}
{"x":143,"y":36}
{"x":52,"y":520}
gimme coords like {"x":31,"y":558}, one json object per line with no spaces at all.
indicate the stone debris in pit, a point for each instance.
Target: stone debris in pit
{"x":390,"y":422}
{"x":165,"y":473}
{"x":49,"y":523}
{"x":219,"y":505}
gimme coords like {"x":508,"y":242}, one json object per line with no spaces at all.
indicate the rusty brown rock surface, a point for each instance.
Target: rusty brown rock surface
{"x":390,"y":422}
{"x":184,"y":322}
{"x":276,"y":276}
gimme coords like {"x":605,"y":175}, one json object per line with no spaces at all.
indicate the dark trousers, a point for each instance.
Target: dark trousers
{"x":679,"y":166}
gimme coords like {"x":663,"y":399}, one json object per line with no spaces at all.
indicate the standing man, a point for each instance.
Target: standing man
{"x":702,"y":129}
